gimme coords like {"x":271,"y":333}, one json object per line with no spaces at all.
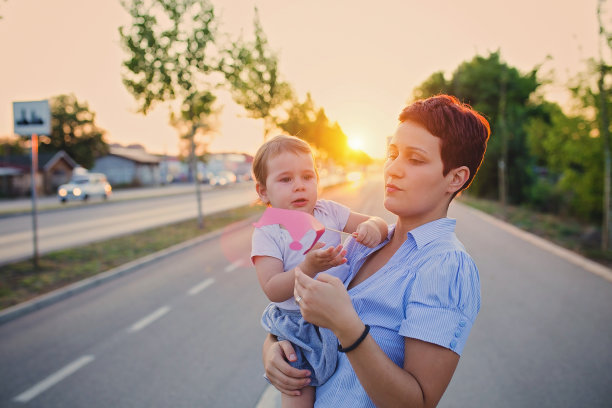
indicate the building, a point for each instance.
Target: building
{"x":54,"y":169}
{"x":129,"y":166}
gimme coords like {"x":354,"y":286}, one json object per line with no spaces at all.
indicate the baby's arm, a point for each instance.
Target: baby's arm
{"x":369,"y":231}
{"x":278,"y":285}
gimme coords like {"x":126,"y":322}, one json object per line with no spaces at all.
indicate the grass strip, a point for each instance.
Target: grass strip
{"x":19,"y":281}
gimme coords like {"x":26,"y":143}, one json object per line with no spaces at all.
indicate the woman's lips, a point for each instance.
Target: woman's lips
{"x":391,"y":188}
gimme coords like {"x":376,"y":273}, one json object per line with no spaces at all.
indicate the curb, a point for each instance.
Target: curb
{"x":564,"y":253}
{"x":57,"y":295}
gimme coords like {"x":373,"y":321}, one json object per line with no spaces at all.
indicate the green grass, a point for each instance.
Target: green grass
{"x":19,"y":281}
{"x":568,"y":233}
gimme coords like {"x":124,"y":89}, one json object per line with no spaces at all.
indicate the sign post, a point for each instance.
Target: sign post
{"x":33,"y":119}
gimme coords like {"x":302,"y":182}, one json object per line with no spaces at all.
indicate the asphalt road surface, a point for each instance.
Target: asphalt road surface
{"x":184,"y":332}
{"x":78,"y":223}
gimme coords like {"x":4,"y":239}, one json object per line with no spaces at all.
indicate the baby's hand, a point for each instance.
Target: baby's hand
{"x":319,"y":260}
{"x":368,"y":234}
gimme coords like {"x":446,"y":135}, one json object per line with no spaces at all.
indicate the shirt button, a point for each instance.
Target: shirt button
{"x":462,"y":323}
{"x":453,"y":344}
{"x":457,"y":333}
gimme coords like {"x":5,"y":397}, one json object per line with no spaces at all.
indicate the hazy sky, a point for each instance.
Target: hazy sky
{"x":360,"y":60}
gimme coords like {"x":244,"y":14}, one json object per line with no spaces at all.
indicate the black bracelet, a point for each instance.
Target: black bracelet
{"x":357,"y":342}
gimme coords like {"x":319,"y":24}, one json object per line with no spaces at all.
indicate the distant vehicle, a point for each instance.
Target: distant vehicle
{"x":222,"y":178}
{"x":84,"y":186}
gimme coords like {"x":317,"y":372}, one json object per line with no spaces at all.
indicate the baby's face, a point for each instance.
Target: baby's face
{"x":292,"y":182}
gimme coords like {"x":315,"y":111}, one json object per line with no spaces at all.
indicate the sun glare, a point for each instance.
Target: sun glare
{"x":355,"y":143}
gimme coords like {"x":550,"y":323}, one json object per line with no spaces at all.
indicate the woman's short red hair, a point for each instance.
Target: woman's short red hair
{"x":463,"y":131}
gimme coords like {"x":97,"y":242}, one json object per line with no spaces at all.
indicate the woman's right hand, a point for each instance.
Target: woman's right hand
{"x":287,"y":379}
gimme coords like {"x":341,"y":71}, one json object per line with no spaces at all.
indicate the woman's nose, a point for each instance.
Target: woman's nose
{"x":393,"y":168}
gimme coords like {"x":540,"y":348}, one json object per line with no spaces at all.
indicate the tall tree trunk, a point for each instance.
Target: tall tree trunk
{"x":605,"y":135}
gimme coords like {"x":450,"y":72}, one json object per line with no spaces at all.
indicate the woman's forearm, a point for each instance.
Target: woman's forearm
{"x":387,"y":384}
{"x":421,"y":382}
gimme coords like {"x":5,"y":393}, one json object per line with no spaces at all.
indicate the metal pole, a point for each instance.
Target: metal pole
{"x":34,"y":210}
{"x":194,"y":164}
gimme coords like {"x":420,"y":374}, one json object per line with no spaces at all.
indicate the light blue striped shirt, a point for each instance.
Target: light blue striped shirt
{"x":429,"y":290}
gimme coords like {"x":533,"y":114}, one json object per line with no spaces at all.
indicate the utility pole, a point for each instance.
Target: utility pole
{"x":196,"y":179}
{"x":502,"y":164}
{"x":604,"y":132}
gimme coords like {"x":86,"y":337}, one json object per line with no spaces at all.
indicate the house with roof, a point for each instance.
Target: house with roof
{"x":129,"y":166}
{"x":54,"y":169}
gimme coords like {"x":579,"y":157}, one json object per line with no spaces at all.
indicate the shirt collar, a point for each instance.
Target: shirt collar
{"x":426,"y":233}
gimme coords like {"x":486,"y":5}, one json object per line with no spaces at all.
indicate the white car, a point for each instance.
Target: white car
{"x":85,"y":186}
{"x":222,"y":178}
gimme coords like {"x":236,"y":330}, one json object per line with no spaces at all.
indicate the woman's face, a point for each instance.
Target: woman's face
{"x":414,"y":185}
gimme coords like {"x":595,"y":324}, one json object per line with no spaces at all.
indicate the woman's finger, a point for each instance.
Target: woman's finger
{"x":283,"y":376}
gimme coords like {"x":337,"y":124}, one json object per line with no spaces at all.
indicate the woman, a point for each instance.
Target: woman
{"x":410,"y":303}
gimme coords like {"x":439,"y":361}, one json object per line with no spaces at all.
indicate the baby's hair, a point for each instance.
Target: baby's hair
{"x":272,"y":148}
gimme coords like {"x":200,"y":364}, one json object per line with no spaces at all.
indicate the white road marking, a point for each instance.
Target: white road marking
{"x":269,"y":398}
{"x":144,"y":322}
{"x":546,"y":245}
{"x":201,"y":286}
{"x":53,"y":379}
{"x":234,"y":265}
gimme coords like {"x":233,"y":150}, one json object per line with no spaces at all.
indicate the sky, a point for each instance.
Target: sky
{"x":360,"y":60}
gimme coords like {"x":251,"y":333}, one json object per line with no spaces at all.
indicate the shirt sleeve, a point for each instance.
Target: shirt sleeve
{"x":338,"y":212}
{"x":264,"y":244}
{"x":444,"y":300}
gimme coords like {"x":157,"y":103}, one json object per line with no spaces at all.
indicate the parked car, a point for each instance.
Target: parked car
{"x":85,"y":186}
{"x":222,"y":178}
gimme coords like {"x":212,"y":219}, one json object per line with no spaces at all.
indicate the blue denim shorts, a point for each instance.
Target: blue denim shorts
{"x":316,"y":348}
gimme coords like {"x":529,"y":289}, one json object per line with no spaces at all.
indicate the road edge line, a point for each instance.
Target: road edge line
{"x":564,"y":253}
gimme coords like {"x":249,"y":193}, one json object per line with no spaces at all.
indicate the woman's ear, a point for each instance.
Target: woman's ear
{"x":262,"y":193}
{"x":458,"y":177}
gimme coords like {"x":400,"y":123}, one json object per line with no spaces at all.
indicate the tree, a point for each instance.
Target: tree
{"x":168,"y":46}
{"x":567,"y":152}
{"x":488,"y":84}
{"x":73,"y":130}
{"x":313,"y":126}
{"x":251,"y":69}
{"x":10,"y":146}
{"x":171,"y":47}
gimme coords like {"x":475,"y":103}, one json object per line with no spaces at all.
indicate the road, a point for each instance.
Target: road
{"x":77,"y":224}
{"x":184,"y":332}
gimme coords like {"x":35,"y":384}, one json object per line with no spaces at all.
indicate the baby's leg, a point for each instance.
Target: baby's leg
{"x":306,"y":400}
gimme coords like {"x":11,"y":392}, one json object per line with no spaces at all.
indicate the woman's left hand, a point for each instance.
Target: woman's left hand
{"x":325,"y":301}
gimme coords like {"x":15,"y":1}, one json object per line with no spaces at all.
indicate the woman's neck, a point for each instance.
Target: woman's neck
{"x":405,"y":225}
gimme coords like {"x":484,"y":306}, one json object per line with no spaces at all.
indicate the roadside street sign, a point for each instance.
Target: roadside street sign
{"x":33,"y":117}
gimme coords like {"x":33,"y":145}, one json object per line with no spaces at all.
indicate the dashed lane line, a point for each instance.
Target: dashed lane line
{"x":201,"y":286}
{"x":144,"y":322}
{"x":53,"y":379}
{"x":234,"y":265}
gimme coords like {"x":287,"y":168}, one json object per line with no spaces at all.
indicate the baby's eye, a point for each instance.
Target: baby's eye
{"x":308,"y":177}
{"x":285,"y":179}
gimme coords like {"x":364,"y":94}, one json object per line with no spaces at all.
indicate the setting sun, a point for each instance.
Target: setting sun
{"x":355,"y":143}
